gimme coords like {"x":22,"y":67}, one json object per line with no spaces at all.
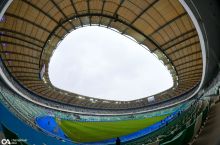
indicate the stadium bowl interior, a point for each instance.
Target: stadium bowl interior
{"x":182,"y":34}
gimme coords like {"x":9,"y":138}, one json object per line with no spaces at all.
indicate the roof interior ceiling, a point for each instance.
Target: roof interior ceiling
{"x":31,"y":30}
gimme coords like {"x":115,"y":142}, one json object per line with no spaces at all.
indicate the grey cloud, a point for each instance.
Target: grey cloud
{"x":98,"y":62}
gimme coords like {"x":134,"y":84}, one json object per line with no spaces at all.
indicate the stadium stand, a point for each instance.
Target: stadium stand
{"x":30,"y":111}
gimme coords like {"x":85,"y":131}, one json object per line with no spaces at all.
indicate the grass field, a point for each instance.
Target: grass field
{"x":98,"y":131}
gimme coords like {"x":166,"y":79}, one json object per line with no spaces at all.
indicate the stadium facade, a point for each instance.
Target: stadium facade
{"x":182,"y":34}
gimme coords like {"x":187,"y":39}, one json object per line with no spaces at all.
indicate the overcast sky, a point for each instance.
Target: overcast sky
{"x":101,"y":63}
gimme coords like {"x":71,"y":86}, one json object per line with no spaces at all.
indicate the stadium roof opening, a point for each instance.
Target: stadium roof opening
{"x":98,"y":62}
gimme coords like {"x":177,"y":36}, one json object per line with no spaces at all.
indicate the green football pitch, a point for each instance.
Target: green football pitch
{"x":98,"y":131}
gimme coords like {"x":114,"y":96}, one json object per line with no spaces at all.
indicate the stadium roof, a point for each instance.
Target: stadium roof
{"x":31,"y":30}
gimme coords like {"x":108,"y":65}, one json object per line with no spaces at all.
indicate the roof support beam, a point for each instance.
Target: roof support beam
{"x":70,"y":99}
{"x":28,"y":80}
{"x":19,"y":66}
{"x":188,"y":38}
{"x":34,"y":85}
{"x":27,"y":21}
{"x":187,"y":46}
{"x":23,"y":76}
{"x":190,"y":54}
{"x":17,"y":44}
{"x":183,"y":88}
{"x":188,"y":61}
{"x":168,"y":23}
{"x":146,"y":9}
{"x":176,"y":38}
{"x":76,"y":12}
{"x":19,"y":53}
{"x":17,"y":38}
{"x":62,"y":13}
{"x":103,"y":4}
{"x":41,"y":89}
{"x":115,"y":13}
{"x":191,"y":66}
{"x":35,"y":88}
{"x":28,"y":83}
{"x":186,"y":85}
{"x":190,"y":79}
{"x":30,"y":22}
{"x":57,"y":96}
{"x":88,"y":6}
{"x":190,"y":71}
{"x":193,"y":74}
{"x":52,"y":95}
{"x":65,"y":99}
{"x":21,"y":72}
{"x":46,"y":14}
{"x":22,"y":34}
{"x":44,"y":92}
{"x":18,"y":60}
{"x":27,"y":77}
